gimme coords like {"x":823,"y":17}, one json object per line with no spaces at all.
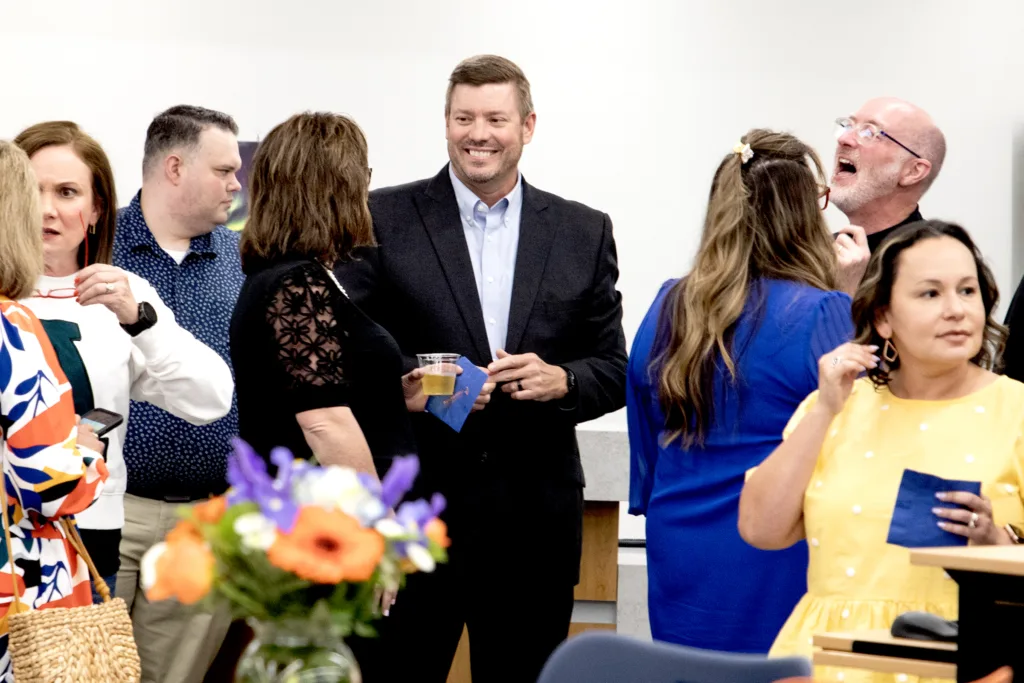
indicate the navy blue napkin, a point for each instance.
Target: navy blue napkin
{"x":914,"y":525}
{"x":453,"y":410}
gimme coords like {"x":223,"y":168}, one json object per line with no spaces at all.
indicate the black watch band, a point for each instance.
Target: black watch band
{"x":147,"y":318}
{"x":570,"y":382}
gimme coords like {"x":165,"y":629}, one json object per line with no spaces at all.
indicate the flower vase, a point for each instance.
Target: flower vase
{"x":296,"y":651}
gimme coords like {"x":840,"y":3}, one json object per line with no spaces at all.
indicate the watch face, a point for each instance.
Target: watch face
{"x":147,"y":312}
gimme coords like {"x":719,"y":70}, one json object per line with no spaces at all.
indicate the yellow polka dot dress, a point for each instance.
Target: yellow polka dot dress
{"x":857,"y":581}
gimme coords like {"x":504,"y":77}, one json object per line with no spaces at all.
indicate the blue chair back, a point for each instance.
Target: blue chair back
{"x":601,"y":657}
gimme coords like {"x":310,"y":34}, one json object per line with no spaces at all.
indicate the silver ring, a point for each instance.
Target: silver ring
{"x":111,"y":286}
{"x":519,"y":384}
{"x":836,"y":361}
{"x":974,"y":521}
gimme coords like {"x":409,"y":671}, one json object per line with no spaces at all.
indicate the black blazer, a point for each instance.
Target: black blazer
{"x":419,"y":284}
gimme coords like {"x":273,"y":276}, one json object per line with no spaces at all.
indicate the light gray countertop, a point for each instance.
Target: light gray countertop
{"x":605,"y":458}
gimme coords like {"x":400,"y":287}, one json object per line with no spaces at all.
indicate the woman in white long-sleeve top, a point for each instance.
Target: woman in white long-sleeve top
{"x":114,"y":337}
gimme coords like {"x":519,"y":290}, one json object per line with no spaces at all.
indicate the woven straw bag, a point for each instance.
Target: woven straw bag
{"x":91,"y":644}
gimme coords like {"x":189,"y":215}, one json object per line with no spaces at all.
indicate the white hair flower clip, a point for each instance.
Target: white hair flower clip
{"x":745,"y":152}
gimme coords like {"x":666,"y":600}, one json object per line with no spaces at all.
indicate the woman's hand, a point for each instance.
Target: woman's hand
{"x":837,"y":371}
{"x":88,"y":439}
{"x":108,"y":286}
{"x":975,"y":522}
{"x":412,"y":387}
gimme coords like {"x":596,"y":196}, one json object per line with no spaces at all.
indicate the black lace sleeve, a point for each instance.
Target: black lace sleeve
{"x":305,"y":330}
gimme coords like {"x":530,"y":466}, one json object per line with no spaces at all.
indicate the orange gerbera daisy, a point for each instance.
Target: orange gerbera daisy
{"x":184,"y":570}
{"x":327,"y":546}
{"x":210,"y":511}
{"x":437,"y":531}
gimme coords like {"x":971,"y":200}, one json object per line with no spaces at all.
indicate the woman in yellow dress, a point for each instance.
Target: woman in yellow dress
{"x":930,"y":403}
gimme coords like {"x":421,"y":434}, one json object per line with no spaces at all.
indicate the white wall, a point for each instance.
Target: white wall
{"x":636,"y":101}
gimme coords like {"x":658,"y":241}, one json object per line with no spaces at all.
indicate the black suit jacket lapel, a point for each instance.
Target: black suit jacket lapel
{"x":536,"y":233}
{"x":440,"y":213}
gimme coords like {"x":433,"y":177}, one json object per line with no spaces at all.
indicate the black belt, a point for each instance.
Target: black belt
{"x":176,"y":497}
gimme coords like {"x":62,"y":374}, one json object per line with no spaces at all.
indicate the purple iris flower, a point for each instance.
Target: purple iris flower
{"x":399,"y":479}
{"x":247,"y":475}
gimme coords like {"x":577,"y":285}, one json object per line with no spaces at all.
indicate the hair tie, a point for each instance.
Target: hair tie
{"x":744,"y":151}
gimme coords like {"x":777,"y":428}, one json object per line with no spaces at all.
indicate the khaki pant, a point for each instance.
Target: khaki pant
{"x":176,"y":643}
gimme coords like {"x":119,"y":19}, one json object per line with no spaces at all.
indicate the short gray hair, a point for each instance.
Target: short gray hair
{"x":181,"y":126}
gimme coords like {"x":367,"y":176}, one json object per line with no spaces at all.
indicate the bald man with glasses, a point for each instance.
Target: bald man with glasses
{"x":887,"y":156}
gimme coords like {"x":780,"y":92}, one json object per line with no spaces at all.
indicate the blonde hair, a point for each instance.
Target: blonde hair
{"x":21,"y":220}
{"x":763,"y":221}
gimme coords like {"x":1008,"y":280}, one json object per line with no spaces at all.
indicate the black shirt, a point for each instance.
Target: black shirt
{"x":875,"y":239}
{"x":297,"y":344}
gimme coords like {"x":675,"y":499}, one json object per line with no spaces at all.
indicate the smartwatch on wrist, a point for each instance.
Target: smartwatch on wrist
{"x":147,"y":318}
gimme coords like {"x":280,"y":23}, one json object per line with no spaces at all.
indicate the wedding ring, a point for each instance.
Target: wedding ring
{"x":974,"y":520}
{"x":111,"y":286}
{"x":836,"y":361}
{"x":519,"y":384}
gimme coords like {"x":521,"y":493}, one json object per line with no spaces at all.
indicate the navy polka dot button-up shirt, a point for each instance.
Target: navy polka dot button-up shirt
{"x":165,"y":455}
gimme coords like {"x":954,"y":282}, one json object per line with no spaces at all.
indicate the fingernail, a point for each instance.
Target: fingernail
{"x":387,"y":612}
{"x":942,"y":525}
{"x":872,"y":347}
{"x":876,"y":358}
{"x":941,"y":496}
{"x":936,"y":511}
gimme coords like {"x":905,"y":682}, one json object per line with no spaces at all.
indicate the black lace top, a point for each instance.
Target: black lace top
{"x":298,"y":344}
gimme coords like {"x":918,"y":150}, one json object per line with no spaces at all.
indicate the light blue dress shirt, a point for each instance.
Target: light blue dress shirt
{"x":492,"y":235}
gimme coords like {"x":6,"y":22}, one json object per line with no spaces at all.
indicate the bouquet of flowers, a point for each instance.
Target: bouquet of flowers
{"x":304,"y":556}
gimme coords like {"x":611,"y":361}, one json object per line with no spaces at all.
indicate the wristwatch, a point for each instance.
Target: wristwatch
{"x":570,"y":382}
{"x":1016,"y":535}
{"x":147,"y":318}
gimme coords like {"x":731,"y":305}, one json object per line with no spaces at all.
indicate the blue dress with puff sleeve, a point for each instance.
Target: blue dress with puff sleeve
{"x":706,"y":587}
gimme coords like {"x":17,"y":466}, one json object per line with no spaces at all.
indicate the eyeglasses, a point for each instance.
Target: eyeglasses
{"x":61,"y":293}
{"x":823,"y":198}
{"x":867,"y":132}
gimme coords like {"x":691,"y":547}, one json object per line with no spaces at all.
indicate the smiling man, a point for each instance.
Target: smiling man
{"x":888,"y":155}
{"x":477,"y":261}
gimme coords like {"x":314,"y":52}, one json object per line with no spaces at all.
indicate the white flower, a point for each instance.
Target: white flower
{"x":147,"y":567}
{"x":339,"y":487}
{"x":420,"y":557}
{"x":256,"y":531}
{"x":389,"y":528}
{"x":744,"y":150}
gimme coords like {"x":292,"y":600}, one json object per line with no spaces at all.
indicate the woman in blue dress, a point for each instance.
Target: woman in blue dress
{"x":722,"y":359}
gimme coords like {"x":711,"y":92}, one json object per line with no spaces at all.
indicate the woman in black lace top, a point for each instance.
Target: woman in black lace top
{"x":313,"y":373}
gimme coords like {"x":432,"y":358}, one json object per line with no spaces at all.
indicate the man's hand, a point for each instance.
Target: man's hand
{"x":528,"y":378}
{"x":484,"y":397}
{"x":416,"y":400}
{"x":853,"y":253}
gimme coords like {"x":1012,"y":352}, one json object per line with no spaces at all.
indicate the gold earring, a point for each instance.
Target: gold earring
{"x":889,"y":352}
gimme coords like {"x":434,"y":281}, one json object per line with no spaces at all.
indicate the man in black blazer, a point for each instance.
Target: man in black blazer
{"x":475,"y":261}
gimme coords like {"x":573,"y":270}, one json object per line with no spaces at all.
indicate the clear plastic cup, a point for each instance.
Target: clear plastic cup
{"x":439,"y":379}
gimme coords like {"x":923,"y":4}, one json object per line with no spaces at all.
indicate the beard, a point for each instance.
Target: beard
{"x":869,"y":187}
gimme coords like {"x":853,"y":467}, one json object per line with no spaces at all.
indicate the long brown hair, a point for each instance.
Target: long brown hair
{"x":99,"y":238}
{"x":763,"y":221}
{"x":21,"y":244}
{"x":308,"y":191}
{"x":875,"y":294}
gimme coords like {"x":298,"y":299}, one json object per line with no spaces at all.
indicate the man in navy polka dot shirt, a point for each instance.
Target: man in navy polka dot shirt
{"x":173,"y":235}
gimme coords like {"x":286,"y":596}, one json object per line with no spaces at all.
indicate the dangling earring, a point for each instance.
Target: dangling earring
{"x":889,"y":352}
